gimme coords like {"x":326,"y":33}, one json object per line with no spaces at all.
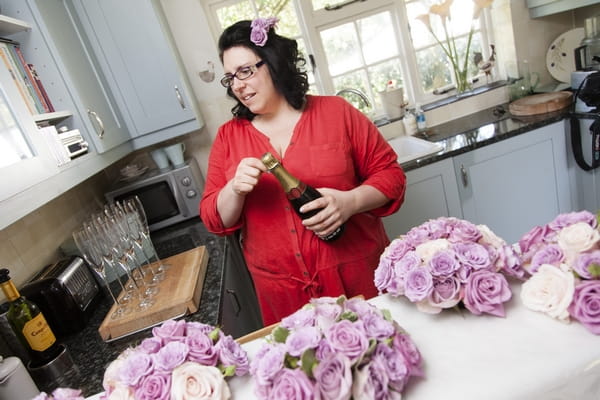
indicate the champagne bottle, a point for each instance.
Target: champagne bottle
{"x":29,"y":324}
{"x":298,"y":192}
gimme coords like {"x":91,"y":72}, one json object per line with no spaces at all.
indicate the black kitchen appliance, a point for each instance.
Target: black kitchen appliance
{"x":587,"y":121}
{"x":66,"y":293}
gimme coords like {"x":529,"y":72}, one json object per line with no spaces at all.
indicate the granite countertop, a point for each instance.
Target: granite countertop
{"x":480,"y":129}
{"x":91,"y":354}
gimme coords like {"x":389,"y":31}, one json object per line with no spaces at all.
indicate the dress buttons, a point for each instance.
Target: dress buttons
{"x":297,"y":254}
{"x":305,"y":273}
{"x":293,"y":230}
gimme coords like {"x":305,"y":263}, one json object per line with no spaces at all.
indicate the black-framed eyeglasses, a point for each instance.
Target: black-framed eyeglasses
{"x":241,"y":74}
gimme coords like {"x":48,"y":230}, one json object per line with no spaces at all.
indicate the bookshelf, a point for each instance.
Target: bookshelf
{"x":9,"y":25}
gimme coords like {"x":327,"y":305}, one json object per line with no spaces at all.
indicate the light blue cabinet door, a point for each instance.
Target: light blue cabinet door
{"x":431,"y":192}
{"x":516,"y":184}
{"x":135,"y":56}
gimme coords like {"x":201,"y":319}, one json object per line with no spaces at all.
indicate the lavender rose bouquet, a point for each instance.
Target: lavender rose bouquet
{"x":562,"y":260}
{"x":182,"y":360}
{"x":446,"y":262}
{"x":335,"y":348}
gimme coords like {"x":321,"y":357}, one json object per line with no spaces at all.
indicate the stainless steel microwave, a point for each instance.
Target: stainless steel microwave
{"x":168,"y":197}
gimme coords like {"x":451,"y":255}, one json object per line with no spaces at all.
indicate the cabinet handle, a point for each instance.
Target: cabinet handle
{"x":236,"y":301}
{"x":179,"y":97}
{"x":463,"y":173}
{"x":95,"y":115}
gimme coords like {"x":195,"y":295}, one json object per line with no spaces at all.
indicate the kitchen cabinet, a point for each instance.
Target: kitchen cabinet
{"x":513,"y":185}
{"x":431,"y":192}
{"x":136,"y":59}
{"x":30,"y":183}
{"x":239,"y":310}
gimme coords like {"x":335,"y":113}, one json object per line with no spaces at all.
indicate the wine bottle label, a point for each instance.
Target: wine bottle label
{"x":38,"y":334}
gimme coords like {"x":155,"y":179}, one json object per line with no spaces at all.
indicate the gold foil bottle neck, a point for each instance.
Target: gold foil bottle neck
{"x":269,"y":160}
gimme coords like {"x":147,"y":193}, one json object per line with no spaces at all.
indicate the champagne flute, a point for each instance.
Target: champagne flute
{"x":90,"y":254}
{"x":135,"y":204}
{"x":113,"y":251}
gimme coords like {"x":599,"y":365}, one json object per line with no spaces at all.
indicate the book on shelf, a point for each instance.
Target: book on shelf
{"x":55,"y":144}
{"x":40,"y":86}
{"x":26,"y":78}
{"x":12,"y":68}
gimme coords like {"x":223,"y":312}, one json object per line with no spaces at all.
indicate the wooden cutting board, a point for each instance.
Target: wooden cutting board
{"x":541,"y":103}
{"x":179,"y":294}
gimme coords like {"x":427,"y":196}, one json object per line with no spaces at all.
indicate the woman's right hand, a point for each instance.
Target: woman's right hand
{"x":246,"y":175}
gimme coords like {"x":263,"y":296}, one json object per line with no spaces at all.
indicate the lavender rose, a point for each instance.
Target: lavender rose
{"x":232,"y":356}
{"x":396,"y":365}
{"x":267,"y":363}
{"x":446,"y":293}
{"x":405,"y":344}
{"x":376,"y":326}
{"x":585,"y":306}
{"x":583,"y":263}
{"x":383,"y":274}
{"x":154,"y":387}
{"x":192,"y":381}
{"x":532,"y":240}
{"x":334,"y":378}
{"x":418,"y":284}
{"x":302,"y":339}
{"x":201,"y":349}
{"x":443,"y":263}
{"x":302,"y":317}
{"x":170,"y":356}
{"x":473,"y":255}
{"x":170,"y":330}
{"x":67,"y":394}
{"x":135,"y":367}
{"x":292,"y":384}
{"x":260,"y":30}
{"x":348,"y":338}
{"x":566,"y":219}
{"x":486,"y":292}
{"x":150,"y":345}
{"x":551,"y":254}
{"x":464,"y":231}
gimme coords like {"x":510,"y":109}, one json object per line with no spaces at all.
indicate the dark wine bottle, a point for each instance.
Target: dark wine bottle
{"x":29,"y":324}
{"x":298,"y":192}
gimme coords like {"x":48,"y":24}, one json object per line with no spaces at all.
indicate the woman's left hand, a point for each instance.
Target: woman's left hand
{"x":337,"y":207}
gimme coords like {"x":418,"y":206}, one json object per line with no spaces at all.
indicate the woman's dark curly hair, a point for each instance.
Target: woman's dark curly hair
{"x":280,"y":55}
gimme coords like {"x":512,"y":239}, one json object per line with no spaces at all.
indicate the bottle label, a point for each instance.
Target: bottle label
{"x":38,"y":334}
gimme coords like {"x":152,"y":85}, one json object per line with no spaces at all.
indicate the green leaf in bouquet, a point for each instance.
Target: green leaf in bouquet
{"x":214,"y":335}
{"x":309,"y":362}
{"x":594,"y":270}
{"x":341,"y":300}
{"x":349,"y":315}
{"x":290,"y":361}
{"x":280,"y":334}
{"x":227,"y":370}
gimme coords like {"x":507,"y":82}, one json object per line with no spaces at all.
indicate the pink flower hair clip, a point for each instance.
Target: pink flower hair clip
{"x":260,"y":30}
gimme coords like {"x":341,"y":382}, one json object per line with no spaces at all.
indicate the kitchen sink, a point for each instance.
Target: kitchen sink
{"x":410,"y":148}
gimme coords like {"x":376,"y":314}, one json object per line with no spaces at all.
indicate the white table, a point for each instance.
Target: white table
{"x":525,"y":356}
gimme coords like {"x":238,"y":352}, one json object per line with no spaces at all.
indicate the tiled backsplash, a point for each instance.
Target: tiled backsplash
{"x":33,"y":242}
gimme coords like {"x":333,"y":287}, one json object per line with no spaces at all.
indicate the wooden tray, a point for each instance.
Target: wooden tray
{"x":541,"y":103}
{"x":179,"y":294}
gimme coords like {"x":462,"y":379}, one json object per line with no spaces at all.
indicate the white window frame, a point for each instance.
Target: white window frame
{"x":312,"y":22}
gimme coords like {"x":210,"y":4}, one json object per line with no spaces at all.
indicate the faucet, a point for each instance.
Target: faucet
{"x":356,"y":92}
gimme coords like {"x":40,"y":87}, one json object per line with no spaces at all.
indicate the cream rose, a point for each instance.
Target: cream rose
{"x":550,"y":290}
{"x":121,"y":392}
{"x":192,"y":381}
{"x":489,"y":237}
{"x":577,"y":238}
{"x":428,"y":249}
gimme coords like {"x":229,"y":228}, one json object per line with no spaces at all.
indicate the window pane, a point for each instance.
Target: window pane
{"x":377,"y":37}
{"x":234,"y":13}
{"x":342,"y":48}
{"x":13,"y":146}
{"x":380,"y":74}
{"x":356,"y":80}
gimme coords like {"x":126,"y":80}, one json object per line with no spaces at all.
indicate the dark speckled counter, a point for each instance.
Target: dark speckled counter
{"x":91,"y":355}
{"x":478,"y":130}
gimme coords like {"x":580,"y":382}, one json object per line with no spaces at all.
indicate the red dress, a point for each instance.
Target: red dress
{"x":333,"y":145}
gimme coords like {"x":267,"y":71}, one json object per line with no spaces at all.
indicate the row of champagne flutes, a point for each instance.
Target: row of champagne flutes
{"x":117,"y":239}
